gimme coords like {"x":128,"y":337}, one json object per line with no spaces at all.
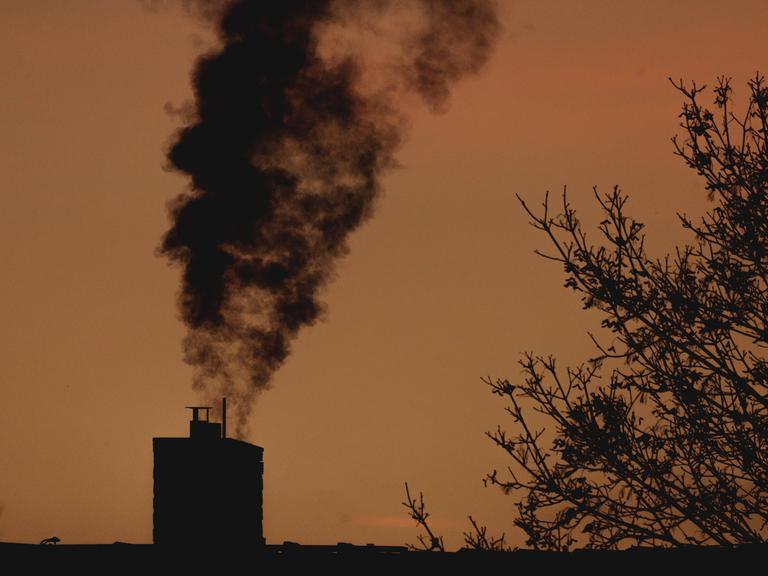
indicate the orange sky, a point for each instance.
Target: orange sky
{"x":439,"y":289}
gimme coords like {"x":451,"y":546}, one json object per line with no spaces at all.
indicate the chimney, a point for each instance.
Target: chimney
{"x":208,"y":489}
{"x":202,"y":428}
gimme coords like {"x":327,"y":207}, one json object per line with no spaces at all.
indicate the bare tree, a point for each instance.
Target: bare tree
{"x":418,"y":513}
{"x":477,"y":539}
{"x":661,"y":438}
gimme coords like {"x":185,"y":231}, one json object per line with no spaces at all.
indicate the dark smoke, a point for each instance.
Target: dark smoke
{"x":284,"y":155}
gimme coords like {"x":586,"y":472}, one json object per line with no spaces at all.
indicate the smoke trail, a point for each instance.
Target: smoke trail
{"x":284,"y":156}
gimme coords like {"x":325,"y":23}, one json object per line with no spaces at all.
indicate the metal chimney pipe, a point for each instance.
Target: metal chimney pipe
{"x":224,"y":417}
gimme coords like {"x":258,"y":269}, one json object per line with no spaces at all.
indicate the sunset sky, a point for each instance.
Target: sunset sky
{"x":440,"y":288}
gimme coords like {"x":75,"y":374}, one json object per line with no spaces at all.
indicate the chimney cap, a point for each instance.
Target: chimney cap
{"x":196,"y":412}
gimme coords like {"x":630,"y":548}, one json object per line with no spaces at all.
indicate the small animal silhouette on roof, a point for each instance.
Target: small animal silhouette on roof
{"x":52,"y":540}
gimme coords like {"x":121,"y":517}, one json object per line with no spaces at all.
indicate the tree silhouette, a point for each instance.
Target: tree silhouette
{"x":661,"y":438}
{"x":477,"y":538}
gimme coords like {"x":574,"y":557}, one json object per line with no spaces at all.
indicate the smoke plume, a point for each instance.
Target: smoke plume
{"x":291,"y":132}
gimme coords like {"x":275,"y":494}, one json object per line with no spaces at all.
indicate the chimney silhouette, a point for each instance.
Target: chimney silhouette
{"x":202,"y":427}
{"x":207,"y":487}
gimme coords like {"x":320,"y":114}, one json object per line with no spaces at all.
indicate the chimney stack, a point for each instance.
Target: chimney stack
{"x":208,"y":488}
